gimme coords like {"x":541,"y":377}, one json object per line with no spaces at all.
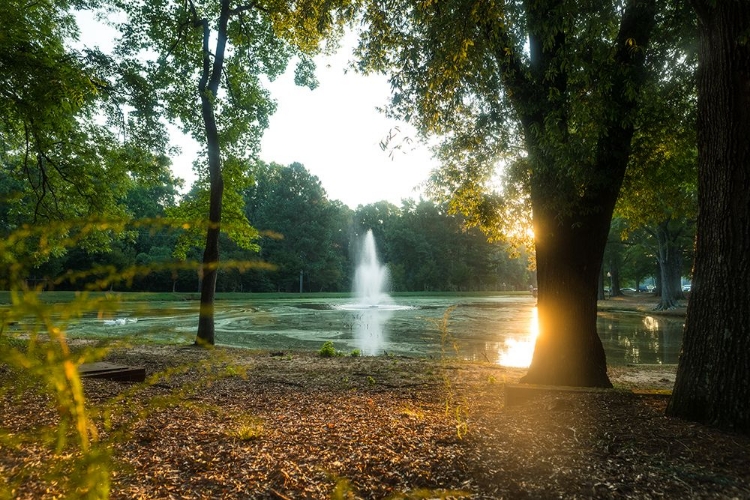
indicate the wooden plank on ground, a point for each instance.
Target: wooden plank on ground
{"x":112,"y":371}
{"x":519,"y":393}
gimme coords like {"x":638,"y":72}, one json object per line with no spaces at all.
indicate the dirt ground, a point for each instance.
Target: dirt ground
{"x":231,"y":423}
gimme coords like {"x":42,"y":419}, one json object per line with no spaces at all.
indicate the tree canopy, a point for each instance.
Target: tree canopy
{"x":65,"y":158}
{"x":203,"y":65}
{"x":552,"y":88}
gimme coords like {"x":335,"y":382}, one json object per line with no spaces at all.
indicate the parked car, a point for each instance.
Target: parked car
{"x":686,"y":288}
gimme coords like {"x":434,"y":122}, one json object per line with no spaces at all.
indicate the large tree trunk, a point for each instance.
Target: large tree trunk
{"x":208,"y":89}
{"x":568,"y":350}
{"x":713,"y":375}
{"x":571,"y":226}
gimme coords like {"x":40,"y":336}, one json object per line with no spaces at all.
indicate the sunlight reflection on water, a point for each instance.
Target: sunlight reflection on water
{"x":517,"y":353}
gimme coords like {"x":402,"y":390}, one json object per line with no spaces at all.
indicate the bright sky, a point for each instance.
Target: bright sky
{"x":335,"y":132}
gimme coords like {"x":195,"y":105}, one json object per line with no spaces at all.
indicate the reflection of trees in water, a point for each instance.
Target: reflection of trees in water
{"x":642,"y":340}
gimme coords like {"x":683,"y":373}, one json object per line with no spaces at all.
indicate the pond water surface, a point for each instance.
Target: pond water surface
{"x":499,"y":329}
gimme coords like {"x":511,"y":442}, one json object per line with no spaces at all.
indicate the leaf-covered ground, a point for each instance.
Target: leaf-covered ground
{"x":237,"y":424}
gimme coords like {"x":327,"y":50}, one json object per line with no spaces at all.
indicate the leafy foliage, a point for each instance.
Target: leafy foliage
{"x":302,"y":229}
{"x":659,"y":192}
{"x":210,"y":56}
{"x":552,"y":89}
{"x":463,"y":71}
{"x":190,"y":213}
{"x":327,"y":350}
{"x":58,"y":161}
{"x":36,"y":357}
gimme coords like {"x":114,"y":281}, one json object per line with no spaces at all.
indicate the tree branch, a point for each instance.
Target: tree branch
{"x":512,"y":71}
{"x":221,"y":43}
{"x":245,"y":8}
{"x":180,"y":37}
{"x":206,"y":69}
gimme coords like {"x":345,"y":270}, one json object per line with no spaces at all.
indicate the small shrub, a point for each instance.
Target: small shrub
{"x":249,"y":430}
{"x":343,"y":490}
{"x":414,"y":413}
{"x":327,"y":351}
{"x":462,"y":424}
{"x":355,"y":353}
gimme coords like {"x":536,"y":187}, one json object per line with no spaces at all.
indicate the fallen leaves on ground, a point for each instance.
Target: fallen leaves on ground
{"x":238,"y":424}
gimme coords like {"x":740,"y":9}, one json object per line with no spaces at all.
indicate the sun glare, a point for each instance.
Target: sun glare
{"x":518,"y":353}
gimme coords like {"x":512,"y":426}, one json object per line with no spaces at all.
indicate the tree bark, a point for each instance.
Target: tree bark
{"x":614,"y":271}
{"x":568,"y":350}
{"x":713,"y":375}
{"x":208,"y":89}
{"x":674,"y":271}
{"x":669,"y":257}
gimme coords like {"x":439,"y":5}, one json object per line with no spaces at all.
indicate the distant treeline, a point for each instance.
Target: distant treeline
{"x":307,"y":239}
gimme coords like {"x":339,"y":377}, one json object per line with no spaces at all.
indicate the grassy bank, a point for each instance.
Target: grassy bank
{"x":68,"y":296}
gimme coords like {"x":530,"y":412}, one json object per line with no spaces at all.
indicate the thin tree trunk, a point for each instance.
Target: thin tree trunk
{"x":674,"y":270}
{"x":674,"y":254}
{"x":713,"y":375}
{"x":664,"y":255}
{"x":208,"y":89}
{"x":669,"y":257}
{"x":614,"y":271}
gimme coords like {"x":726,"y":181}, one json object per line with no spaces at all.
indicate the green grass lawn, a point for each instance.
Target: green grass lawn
{"x":60,"y":296}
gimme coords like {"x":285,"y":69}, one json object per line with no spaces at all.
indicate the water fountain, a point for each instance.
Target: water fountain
{"x":374,"y":307}
{"x":371,"y":279}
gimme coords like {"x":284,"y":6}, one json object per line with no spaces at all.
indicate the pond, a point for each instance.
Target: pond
{"x":498,"y":329}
